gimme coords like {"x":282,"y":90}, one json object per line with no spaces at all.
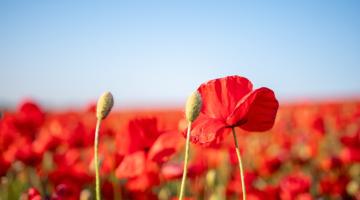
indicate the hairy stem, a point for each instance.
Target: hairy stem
{"x":96,"y":161}
{"x":182,"y":187}
{"x":240,"y":164}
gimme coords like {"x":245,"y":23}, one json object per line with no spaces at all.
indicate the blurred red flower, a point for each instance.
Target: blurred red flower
{"x":294,"y":186}
{"x":70,"y":169}
{"x":27,"y":154}
{"x":231,"y":102}
{"x":33,"y":194}
{"x":67,"y":191}
{"x":234,"y":185}
{"x":4,"y":165}
{"x":145,"y":148}
{"x":29,"y":118}
{"x":334,"y":186}
{"x":351,"y":150}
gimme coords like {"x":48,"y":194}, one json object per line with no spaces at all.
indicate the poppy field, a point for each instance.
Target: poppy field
{"x":230,"y":141}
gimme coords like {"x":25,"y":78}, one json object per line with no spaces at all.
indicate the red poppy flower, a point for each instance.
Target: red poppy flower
{"x":294,"y":185}
{"x":172,"y":171}
{"x":351,"y":150}
{"x":139,"y":135}
{"x":268,"y":193}
{"x":270,"y":164}
{"x":333,"y":185}
{"x":31,"y":113}
{"x":29,"y":118}
{"x":232,"y":102}
{"x":69,"y":175}
{"x":145,"y":148}
{"x":4,"y":166}
{"x":234,"y":185}
{"x":143,"y":183}
{"x":133,"y":165}
{"x":350,"y":155}
{"x":8,"y":132}
{"x":352,"y":141}
{"x":68,"y":191}
{"x":165,"y":146}
{"x":26,"y":153}
{"x":33,"y":194}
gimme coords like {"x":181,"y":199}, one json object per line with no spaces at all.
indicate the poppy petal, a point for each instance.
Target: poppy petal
{"x":220,"y":96}
{"x":139,"y":135}
{"x":165,"y":145}
{"x":133,"y":165}
{"x":143,"y":182}
{"x":205,"y":130}
{"x":256,"y":111}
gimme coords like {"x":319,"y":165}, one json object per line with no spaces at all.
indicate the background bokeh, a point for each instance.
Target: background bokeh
{"x":57,"y":57}
{"x":154,"y":53}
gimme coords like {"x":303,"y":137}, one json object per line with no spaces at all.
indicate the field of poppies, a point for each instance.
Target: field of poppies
{"x":296,"y":151}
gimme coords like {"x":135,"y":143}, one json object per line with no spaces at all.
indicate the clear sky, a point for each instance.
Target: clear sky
{"x":66,"y":53}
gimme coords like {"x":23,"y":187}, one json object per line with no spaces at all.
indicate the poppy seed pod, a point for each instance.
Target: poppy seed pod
{"x":193,"y":106}
{"x":104,"y":105}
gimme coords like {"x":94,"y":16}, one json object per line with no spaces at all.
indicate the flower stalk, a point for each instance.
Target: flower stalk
{"x":96,"y":161}
{"x":240,"y":165}
{"x":192,"y":111}
{"x":187,"y":148}
{"x":103,"y":108}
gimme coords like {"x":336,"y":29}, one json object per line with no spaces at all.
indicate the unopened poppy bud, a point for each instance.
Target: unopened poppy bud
{"x":104,"y":105}
{"x":193,"y":106}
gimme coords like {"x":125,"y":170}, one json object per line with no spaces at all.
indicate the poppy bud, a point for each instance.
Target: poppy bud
{"x":104,"y":105}
{"x":193,"y":106}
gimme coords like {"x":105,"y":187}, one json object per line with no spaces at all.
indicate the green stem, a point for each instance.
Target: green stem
{"x":96,"y":161}
{"x":240,"y":164}
{"x":182,"y":188}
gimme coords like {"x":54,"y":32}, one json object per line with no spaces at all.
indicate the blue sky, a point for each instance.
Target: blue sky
{"x":65,"y":53}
